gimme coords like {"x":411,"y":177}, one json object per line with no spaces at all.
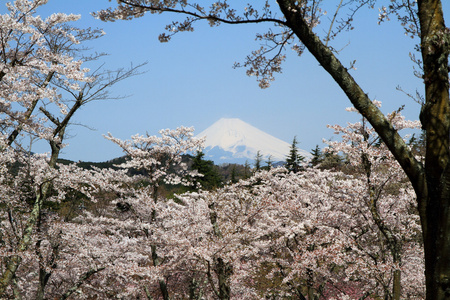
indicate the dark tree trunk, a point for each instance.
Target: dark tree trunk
{"x":223,"y":270}
{"x":435,"y":44}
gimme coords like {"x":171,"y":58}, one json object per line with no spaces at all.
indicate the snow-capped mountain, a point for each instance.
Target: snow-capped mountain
{"x":234,"y":141}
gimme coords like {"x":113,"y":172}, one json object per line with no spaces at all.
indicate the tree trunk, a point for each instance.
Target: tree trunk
{"x":15,"y":260}
{"x":392,"y":243}
{"x":437,"y":247}
{"x":195,"y":291}
{"x":162,"y":283}
{"x":354,"y":92}
{"x":44,"y":276}
{"x":156,"y":260}
{"x":223,"y":271}
{"x":43,"y":280}
{"x":435,"y":118}
{"x":396,"y":290}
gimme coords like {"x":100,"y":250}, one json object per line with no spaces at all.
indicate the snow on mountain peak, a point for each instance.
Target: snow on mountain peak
{"x":233,"y":139}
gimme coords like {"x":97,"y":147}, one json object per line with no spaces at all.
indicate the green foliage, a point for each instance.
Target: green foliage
{"x":211,"y":178}
{"x":269,"y":162}
{"x":294,"y":159}
{"x":332,"y":160}
{"x":317,"y":156}
{"x":233,"y":174}
{"x":258,"y":160}
{"x":247,"y":172}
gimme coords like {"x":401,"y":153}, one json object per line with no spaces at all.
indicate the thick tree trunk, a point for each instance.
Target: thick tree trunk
{"x":435,"y":117}
{"x":437,"y":247}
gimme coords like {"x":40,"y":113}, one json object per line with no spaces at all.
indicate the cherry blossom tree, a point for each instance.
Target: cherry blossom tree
{"x":293,"y":27}
{"x":26,"y":74}
{"x":154,"y":156}
{"x":41,"y":69}
{"x":133,"y":234}
{"x":369,"y":157}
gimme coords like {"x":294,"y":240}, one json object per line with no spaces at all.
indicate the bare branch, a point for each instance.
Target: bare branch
{"x":332,"y":23}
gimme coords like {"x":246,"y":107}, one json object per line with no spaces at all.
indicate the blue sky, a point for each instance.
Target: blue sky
{"x":190,"y":80}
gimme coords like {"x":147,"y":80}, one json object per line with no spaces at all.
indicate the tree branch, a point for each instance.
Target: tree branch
{"x":199,"y":16}
{"x":356,"y":95}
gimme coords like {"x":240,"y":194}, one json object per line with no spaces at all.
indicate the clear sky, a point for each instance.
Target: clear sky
{"x":190,"y":80}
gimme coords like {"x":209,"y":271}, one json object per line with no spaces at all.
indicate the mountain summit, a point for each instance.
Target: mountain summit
{"x":234,"y":141}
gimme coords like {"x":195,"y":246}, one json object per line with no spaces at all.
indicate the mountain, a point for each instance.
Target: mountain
{"x":234,"y":141}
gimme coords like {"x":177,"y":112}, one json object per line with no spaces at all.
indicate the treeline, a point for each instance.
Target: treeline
{"x":215,"y":176}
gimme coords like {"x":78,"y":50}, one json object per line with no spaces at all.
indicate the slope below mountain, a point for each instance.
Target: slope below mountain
{"x":234,"y":141}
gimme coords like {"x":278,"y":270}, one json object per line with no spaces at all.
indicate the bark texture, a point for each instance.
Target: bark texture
{"x":436,"y":122}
